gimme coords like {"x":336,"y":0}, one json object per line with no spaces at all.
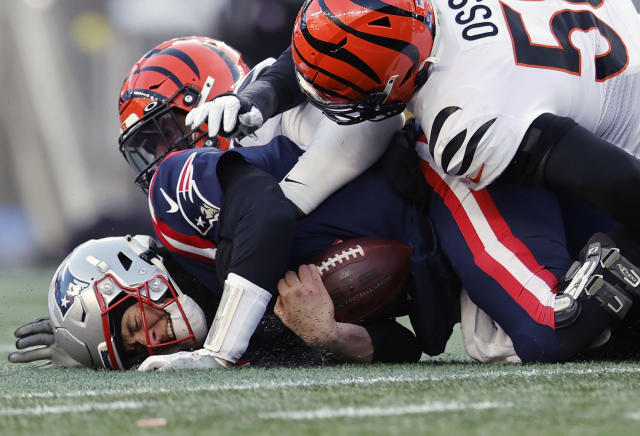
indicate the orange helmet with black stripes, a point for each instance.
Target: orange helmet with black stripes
{"x":362,"y":59}
{"x":161,"y":88}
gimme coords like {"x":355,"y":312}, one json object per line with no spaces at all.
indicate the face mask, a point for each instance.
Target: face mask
{"x":193,"y":313}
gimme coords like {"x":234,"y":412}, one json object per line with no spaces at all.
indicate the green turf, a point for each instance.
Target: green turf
{"x":449,"y":395}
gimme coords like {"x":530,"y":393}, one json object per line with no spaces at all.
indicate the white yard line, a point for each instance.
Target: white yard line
{"x":6,"y":348}
{"x":358,"y":381}
{"x":73,"y":408}
{"x":358,"y":412}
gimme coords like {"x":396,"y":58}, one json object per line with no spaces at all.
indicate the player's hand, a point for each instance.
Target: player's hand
{"x":304,"y":305}
{"x":38,"y":343}
{"x":237,"y":116}
{"x":198,"y":359}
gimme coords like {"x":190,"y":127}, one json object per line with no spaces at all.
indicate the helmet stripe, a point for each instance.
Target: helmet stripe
{"x":329,"y":74}
{"x":404,"y":47}
{"x":164,"y":72}
{"x":182,"y":56}
{"x":334,"y":50}
{"x":385,"y":8}
{"x":227,"y":60}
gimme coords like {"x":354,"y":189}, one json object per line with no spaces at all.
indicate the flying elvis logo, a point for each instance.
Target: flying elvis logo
{"x":200,"y":213}
{"x":67,"y":288}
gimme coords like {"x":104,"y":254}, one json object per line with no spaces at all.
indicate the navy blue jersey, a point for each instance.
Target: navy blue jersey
{"x":185,"y":198}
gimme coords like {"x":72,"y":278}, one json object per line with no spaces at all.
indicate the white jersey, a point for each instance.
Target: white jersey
{"x":502,"y":63}
{"x":334,"y":154}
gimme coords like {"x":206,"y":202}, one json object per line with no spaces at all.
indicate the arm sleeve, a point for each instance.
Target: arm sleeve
{"x":257,"y":224}
{"x":334,"y":154}
{"x":277,"y":89}
{"x":392,"y":342}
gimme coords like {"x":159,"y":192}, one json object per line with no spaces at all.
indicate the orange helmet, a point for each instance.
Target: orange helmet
{"x":161,"y":88}
{"x":362,"y":59}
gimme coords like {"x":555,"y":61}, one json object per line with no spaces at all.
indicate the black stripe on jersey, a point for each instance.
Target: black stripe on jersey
{"x":162,"y":71}
{"x":227,"y":60}
{"x":329,"y":74}
{"x":437,"y":126}
{"x":451,"y":149}
{"x":472,"y":145}
{"x":385,"y":8}
{"x":334,"y":50}
{"x":182,"y":56}
{"x":404,"y":47}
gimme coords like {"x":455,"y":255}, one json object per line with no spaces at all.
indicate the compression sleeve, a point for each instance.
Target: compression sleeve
{"x":559,"y":154}
{"x":392,"y":342}
{"x":256,"y":224}
{"x":276,"y":90}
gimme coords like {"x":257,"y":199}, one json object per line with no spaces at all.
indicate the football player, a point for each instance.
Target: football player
{"x":114,"y":301}
{"x":250,"y":239}
{"x":534,"y":92}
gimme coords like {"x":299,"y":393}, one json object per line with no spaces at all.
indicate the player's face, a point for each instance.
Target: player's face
{"x":158,"y":323}
{"x":157,"y":143}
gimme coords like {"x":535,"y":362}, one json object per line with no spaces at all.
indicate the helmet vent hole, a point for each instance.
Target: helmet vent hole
{"x":124,"y":260}
{"x":83,"y":316}
{"x":382,"y":22}
{"x":339,"y":45}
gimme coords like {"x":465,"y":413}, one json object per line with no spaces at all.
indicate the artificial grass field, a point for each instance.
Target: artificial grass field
{"x":449,"y":395}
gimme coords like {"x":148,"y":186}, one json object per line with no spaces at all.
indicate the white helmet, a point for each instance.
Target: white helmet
{"x":97,"y":282}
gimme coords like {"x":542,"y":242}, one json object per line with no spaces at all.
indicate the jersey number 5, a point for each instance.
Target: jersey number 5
{"x":565,"y":57}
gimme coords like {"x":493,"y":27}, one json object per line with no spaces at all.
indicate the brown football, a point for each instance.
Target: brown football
{"x":364,"y":277}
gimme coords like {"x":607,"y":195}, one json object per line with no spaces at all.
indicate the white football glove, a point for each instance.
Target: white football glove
{"x":39,"y":335}
{"x":199,"y":359}
{"x":239,"y":117}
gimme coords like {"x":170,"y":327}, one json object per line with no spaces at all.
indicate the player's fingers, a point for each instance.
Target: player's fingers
{"x":40,"y":325}
{"x":278,"y":309}
{"x":34,"y":340}
{"x":315,"y":273}
{"x":231,"y":110}
{"x":151,"y":363}
{"x":31,"y":355}
{"x":216,"y":110}
{"x":291,"y":278}
{"x":196,"y":117}
{"x":283,"y":286}
{"x":305,"y":273}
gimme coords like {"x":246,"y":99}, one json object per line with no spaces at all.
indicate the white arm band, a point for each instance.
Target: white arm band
{"x":334,"y":154}
{"x":241,"y":308}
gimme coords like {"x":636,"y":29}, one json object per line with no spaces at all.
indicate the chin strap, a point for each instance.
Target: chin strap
{"x":242,"y":305}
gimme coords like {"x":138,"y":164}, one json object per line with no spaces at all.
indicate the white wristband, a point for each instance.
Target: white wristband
{"x":242,"y":305}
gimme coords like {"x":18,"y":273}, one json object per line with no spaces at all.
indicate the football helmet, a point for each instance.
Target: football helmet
{"x":94,"y":286}
{"x":362,"y":60}
{"x":161,"y":88}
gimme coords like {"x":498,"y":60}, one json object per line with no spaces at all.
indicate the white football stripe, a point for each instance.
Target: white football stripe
{"x":73,"y":408}
{"x":527,"y":278}
{"x":205,"y":252}
{"x":356,"y":381}
{"x":358,"y":412}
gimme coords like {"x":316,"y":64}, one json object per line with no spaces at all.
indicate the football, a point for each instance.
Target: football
{"x":364,"y":277}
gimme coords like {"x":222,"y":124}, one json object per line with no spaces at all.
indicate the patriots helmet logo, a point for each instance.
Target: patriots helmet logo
{"x":200,"y":213}
{"x":67,"y":288}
